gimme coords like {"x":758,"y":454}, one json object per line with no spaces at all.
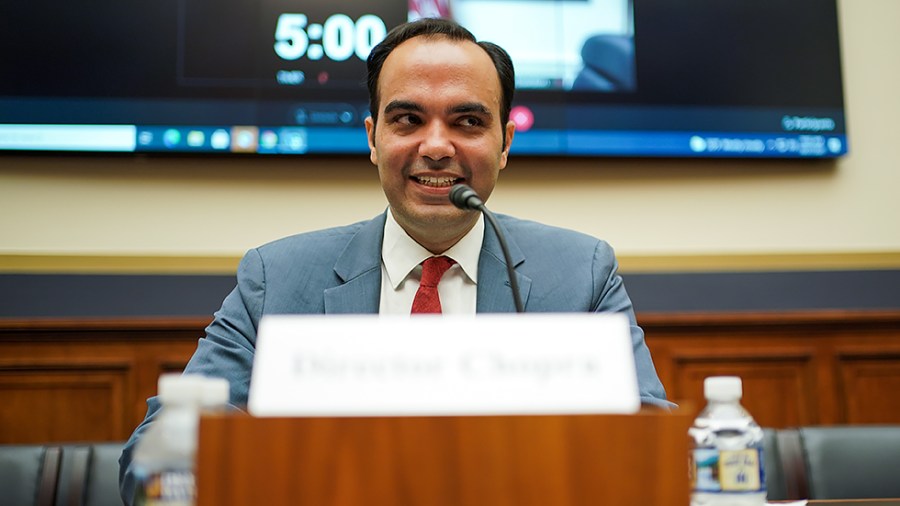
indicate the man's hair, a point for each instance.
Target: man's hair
{"x":435,"y":27}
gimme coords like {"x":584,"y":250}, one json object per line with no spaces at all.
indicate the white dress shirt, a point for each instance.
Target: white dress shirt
{"x":401,"y":257}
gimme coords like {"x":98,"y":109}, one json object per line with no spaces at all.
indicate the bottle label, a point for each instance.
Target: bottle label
{"x":716,"y":470}
{"x":167,"y":488}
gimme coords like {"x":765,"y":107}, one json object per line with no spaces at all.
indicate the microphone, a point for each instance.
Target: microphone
{"x":464,"y":197}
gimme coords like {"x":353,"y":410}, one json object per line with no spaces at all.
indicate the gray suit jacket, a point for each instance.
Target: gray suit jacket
{"x":338,"y":271}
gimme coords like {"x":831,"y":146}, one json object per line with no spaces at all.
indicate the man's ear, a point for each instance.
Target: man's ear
{"x":370,"y":134}
{"x":510,"y":132}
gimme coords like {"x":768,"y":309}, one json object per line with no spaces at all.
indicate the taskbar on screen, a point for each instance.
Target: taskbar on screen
{"x":293,"y":140}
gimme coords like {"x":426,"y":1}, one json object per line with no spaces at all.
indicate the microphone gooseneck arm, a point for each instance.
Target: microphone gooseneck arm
{"x":464,"y":197}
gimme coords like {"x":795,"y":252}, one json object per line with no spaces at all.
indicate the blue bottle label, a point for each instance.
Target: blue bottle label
{"x":167,"y":488}
{"x":716,"y":470}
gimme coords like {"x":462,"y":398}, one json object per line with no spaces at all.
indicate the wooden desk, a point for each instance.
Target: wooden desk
{"x":445,"y":461}
{"x":851,"y":502}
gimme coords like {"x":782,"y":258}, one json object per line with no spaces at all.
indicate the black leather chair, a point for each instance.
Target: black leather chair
{"x":103,"y":475}
{"x":28,"y":474}
{"x":841,"y":462}
{"x":775,"y":479}
{"x":89,"y":475}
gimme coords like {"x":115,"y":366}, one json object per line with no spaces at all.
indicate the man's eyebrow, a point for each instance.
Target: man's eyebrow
{"x":463,"y":108}
{"x":470,"y":107}
{"x":402,"y":105}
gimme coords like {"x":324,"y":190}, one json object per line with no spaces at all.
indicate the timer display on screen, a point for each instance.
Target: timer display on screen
{"x":282,"y":45}
{"x":338,"y":38}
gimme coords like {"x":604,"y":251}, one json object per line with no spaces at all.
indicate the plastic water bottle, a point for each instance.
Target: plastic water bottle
{"x":727,"y":456}
{"x":165,"y":454}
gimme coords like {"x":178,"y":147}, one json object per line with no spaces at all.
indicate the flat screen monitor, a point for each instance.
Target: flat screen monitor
{"x":642,"y":78}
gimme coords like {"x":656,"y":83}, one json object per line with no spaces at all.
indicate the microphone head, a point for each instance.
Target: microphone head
{"x":464,"y":197}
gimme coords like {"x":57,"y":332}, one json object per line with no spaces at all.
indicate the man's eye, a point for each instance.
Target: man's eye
{"x":470,"y":121}
{"x":407,"y":119}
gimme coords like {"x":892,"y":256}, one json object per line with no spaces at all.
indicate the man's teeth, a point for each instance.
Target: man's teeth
{"x":436,"y":181}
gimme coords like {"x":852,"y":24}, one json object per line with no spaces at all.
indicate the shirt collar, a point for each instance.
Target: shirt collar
{"x":400,"y":254}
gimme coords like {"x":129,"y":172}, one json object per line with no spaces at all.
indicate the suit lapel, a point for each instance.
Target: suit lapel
{"x":494,"y":292}
{"x":359,"y":267}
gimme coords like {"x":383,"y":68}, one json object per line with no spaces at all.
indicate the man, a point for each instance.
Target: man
{"x":440,"y":107}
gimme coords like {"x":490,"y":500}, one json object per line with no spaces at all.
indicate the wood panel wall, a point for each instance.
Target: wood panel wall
{"x":66,"y":381}
{"x":797,"y":368}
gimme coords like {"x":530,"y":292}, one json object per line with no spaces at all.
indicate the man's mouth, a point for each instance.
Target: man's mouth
{"x":437,"y":181}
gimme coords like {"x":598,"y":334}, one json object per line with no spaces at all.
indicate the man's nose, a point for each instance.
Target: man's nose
{"x":437,"y":142}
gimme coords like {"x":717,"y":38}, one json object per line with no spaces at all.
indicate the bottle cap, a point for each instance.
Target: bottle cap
{"x":722,"y":388}
{"x":175,"y":388}
{"x":215,"y":392}
{"x":192,"y":389}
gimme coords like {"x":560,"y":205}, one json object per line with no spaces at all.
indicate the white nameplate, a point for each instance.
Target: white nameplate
{"x":443,"y":365}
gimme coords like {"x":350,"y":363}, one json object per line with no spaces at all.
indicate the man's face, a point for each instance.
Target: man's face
{"x":438,"y":124}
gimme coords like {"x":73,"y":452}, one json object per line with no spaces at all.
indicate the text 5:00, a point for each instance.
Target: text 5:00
{"x":337,"y":39}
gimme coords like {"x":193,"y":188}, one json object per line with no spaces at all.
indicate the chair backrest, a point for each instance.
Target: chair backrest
{"x":851,"y":462}
{"x":28,"y":474}
{"x":775,"y":479}
{"x":89,"y":475}
{"x":103,"y":475}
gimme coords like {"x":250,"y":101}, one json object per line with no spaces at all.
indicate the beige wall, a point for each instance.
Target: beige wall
{"x":204,"y":206}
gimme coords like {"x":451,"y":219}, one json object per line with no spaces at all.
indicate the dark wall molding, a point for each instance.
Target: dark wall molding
{"x":175,"y":295}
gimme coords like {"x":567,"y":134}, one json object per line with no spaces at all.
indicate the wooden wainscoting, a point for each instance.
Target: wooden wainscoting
{"x":67,"y":381}
{"x":814,"y":368}
{"x":64,"y":381}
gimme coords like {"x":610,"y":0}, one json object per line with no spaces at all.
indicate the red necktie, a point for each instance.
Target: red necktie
{"x":427,"y":299}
